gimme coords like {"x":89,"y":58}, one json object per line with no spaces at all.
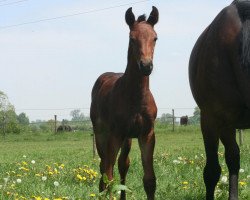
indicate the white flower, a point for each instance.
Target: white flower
{"x":224,"y":179}
{"x":241,"y":170}
{"x":24,"y":156}
{"x":18,"y":180}
{"x":6,"y":179}
{"x":44,"y":178}
{"x":248,"y":176}
{"x":56,"y":184}
{"x":33,"y":162}
{"x":180,"y":158}
{"x":176,"y":161}
{"x":195,"y":157}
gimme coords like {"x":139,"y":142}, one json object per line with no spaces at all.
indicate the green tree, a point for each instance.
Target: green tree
{"x":23,"y":119}
{"x":8,"y":119}
{"x":195,"y":119}
{"x":77,"y":115}
{"x":166,"y":118}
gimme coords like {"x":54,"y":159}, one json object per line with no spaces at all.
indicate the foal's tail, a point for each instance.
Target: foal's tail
{"x":244,"y":13}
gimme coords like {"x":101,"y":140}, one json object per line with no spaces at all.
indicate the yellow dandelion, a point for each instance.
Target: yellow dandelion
{"x":50,"y":173}
{"x":92,"y":195}
{"x":185,"y":183}
{"x":242,"y":183}
{"x":37,"y":198}
{"x":79,"y":177}
{"x":38,"y":175}
{"x":56,"y":171}
{"x":84,"y":178}
{"x":24,"y":163}
{"x":24,"y":169}
{"x":61,"y":166}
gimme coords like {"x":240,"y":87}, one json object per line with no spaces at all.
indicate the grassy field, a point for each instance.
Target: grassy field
{"x":48,"y":166}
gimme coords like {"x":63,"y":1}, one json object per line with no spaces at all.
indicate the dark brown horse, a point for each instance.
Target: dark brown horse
{"x":123,"y":107}
{"x":219,"y":73}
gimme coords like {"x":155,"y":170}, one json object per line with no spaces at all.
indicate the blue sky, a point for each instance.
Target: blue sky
{"x":54,"y":64}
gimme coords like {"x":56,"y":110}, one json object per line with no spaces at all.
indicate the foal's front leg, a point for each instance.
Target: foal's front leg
{"x":147,"y":143}
{"x":112,"y":149}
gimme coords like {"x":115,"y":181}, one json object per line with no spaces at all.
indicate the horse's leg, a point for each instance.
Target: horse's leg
{"x":112,"y":149}
{"x":232,"y":155}
{"x":100,"y":146}
{"x":212,"y":170}
{"x":147,"y":143}
{"x":123,"y":163}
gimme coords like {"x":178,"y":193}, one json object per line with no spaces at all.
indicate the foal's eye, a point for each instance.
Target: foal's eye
{"x":155,"y":39}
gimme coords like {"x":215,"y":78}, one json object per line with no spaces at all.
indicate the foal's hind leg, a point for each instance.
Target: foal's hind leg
{"x":123,"y":163}
{"x":232,"y":154}
{"x":100,"y":145}
{"x":147,"y":143}
{"x":212,"y":169}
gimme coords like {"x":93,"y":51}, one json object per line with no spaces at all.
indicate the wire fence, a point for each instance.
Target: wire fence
{"x":64,"y":121}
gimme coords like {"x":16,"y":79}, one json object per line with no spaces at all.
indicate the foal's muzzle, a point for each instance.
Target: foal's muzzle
{"x":146,"y":68}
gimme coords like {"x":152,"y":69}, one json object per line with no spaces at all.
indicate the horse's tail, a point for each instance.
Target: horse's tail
{"x":244,"y":13}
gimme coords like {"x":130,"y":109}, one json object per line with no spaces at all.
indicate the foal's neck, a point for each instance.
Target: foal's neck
{"x":135,"y":80}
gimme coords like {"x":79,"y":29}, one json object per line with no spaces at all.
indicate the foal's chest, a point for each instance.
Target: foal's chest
{"x":138,"y":124}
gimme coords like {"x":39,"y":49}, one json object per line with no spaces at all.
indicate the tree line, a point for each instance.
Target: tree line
{"x":10,"y":122}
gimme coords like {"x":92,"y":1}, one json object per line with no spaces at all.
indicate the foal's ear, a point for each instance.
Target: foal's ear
{"x":154,"y":16}
{"x":130,"y":17}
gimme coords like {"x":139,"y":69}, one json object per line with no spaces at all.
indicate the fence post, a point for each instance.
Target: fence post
{"x":173,"y":119}
{"x":4,"y":126}
{"x":240,"y":137}
{"x":63,"y":125}
{"x":55,"y":123}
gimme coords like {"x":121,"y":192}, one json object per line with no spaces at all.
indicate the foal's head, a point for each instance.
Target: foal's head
{"x":142,"y":39}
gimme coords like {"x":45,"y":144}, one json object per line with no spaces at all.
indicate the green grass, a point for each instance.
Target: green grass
{"x":62,"y":157}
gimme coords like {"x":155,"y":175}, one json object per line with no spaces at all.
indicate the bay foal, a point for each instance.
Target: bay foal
{"x":123,"y":107}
